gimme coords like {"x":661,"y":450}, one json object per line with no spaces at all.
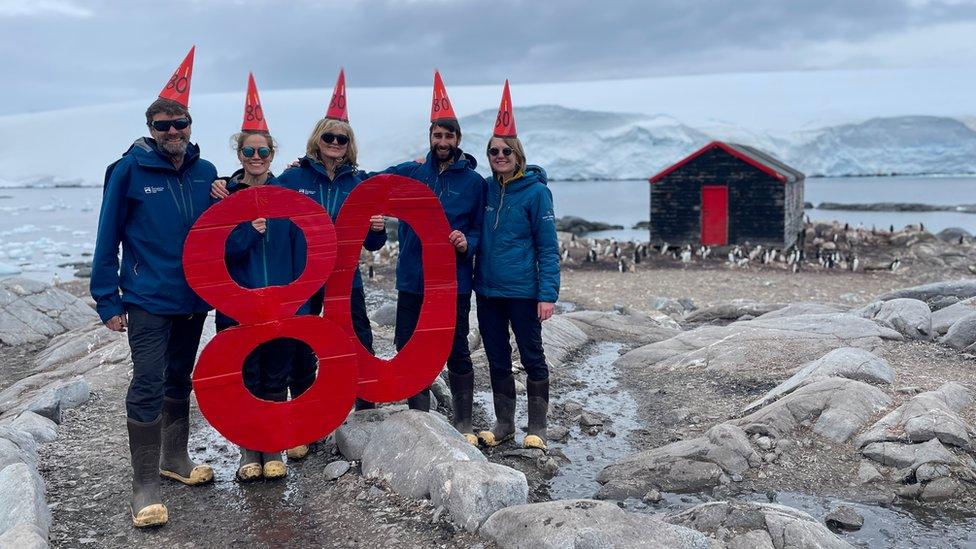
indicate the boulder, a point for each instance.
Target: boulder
{"x":867,"y":473}
{"x":901,"y":456}
{"x":962,"y":333}
{"x":684,"y":466}
{"x":943,"y":319}
{"x":352,"y":436}
{"x":22,"y":499}
{"x":732,"y":310}
{"x":634,"y":326}
{"x":336,"y":469}
{"x":928,"y":415}
{"x":787,"y":528}
{"x":942,"y":489}
{"x":32,"y":311}
{"x":16,"y":446}
{"x":953,"y":234}
{"x":385,"y":315}
{"x":844,"y":517}
{"x":803,"y":308}
{"x":836,"y":407}
{"x":560,"y":339}
{"x":929,"y":293}
{"x":910,"y":317}
{"x":846,"y":362}
{"x":404,"y":449}
{"x":584,"y":524}
{"x":23,"y":536}
{"x":39,"y":427}
{"x":472,"y":490}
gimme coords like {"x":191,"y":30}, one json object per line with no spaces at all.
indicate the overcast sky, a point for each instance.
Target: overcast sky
{"x":64,"y":53}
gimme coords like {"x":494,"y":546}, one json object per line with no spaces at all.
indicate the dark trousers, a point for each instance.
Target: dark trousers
{"x":164,"y":348}
{"x":407,"y":315}
{"x":305,"y":363}
{"x":495,"y":314}
{"x":266,"y":368}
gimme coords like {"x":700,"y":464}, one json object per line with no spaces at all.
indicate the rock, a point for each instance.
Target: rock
{"x":846,"y":362}
{"x":910,"y":456}
{"x":472,"y":491}
{"x":23,"y":536}
{"x":669,"y":306}
{"x":16,"y":446}
{"x":953,"y":234}
{"x":591,"y":419}
{"x":911,"y":491}
{"x":32,"y":311}
{"x":39,"y":427}
{"x":683,"y":466}
{"x":676,"y":416}
{"x":928,"y":415}
{"x":941,"y":489}
{"x":547,"y":466}
{"x":584,"y":524}
{"x":753,"y":539}
{"x":836,"y":408}
{"x":961,"y":289}
{"x":404,"y":449}
{"x":803,"y":308}
{"x":910,"y":317}
{"x":561,"y":338}
{"x":557,"y":433}
{"x":578,"y":225}
{"x":962,"y":333}
{"x":788,"y":527}
{"x":385,"y":315}
{"x":640,"y":327}
{"x":336,"y":469}
{"x":441,"y":392}
{"x":945,"y":318}
{"x":653,"y":496}
{"x":843,"y":517}
{"x":572,"y":407}
{"x":732,"y":310}
{"x":867,"y":473}
{"x":352,"y":436}
{"x":22,"y":499}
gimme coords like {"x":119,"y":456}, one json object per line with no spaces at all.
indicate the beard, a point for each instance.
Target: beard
{"x":443,"y":154}
{"x":176,"y":147}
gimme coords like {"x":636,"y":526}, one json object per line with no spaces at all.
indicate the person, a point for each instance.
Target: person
{"x":260,"y":253}
{"x":449,"y":173}
{"x":152,"y":197}
{"x":327,"y":174}
{"x":516,"y":279}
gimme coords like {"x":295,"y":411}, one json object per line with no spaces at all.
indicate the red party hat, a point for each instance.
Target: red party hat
{"x":441,"y":107}
{"x":337,"y":106}
{"x":505,"y":123}
{"x":253,"y":113}
{"x":178,"y":87}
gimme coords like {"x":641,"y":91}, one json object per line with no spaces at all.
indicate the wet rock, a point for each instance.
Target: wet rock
{"x":39,"y":427}
{"x":788,"y":528}
{"x":867,"y":473}
{"x":835,"y":408}
{"x":961,"y":289}
{"x":557,"y":433}
{"x":547,"y":466}
{"x":932,"y":414}
{"x":584,"y":524}
{"x":846,"y":362}
{"x":653,"y":496}
{"x":385,"y":315}
{"x":23,"y":536}
{"x":684,"y":466}
{"x":962,"y":334}
{"x":32,"y":311}
{"x":404,"y":449}
{"x":336,"y":469}
{"x":844,"y":518}
{"x":471,"y":491}
{"x":561,"y":338}
{"x":22,"y":499}
{"x":630,"y":326}
{"x":942,"y":319}
{"x":910,"y":317}
{"x":572,"y":407}
{"x":591,"y":419}
{"x":941,"y":490}
{"x":352,"y":436}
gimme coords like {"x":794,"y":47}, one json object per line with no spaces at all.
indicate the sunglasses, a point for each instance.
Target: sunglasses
{"x":248,"y":152}
{"x":165,"y":125}
{"x":335,"y":138}
{"x":506,"y":152}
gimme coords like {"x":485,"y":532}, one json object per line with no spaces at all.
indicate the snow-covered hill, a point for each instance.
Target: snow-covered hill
{"x":908,"y":121}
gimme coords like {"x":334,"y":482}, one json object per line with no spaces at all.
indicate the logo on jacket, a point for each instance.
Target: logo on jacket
{"x":153,"y":190}
{"x":306,"y":192}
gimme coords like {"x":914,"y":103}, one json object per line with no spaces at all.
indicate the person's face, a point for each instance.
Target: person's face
{"x":443,"y":143}
{"x":171,"y":140}
{"x":329,"y":145}
{"x":504,"y":165}
{"x":254,"y":164}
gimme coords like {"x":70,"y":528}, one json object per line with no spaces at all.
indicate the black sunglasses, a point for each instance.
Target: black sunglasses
{"x":329,"y":137}
{"x":495,"y":150}
{"x":248,"y":152}
{"x":165,"y":125}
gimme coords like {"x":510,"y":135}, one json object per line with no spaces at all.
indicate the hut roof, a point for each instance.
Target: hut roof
{"x":750,"y":155}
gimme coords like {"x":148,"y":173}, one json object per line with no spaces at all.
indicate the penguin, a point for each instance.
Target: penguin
{"x":591,"y":256}
{"x":855,"y":263}
{"x":895,"y":264}
{"x":621,"y":266}
{"x":370,"y":272}
{"x":796,"y":267}
{"x":637,"y":254}
{"x":664,"y":248}
{"x":565,"y":255}
{"x":686,"y":254}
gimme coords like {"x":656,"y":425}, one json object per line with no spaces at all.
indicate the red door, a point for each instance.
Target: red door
{"x":714,"y":215}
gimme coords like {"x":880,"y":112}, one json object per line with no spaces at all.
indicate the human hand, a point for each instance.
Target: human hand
{"x":260,"y":225}
{"x":218,"y":189}
{"x":545,"y":310}
{"x":117,"y":323}
{"x":458,"y":240}
{"x":377,"y":223}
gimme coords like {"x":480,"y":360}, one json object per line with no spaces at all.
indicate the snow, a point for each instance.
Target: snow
{"x":823,"y":122}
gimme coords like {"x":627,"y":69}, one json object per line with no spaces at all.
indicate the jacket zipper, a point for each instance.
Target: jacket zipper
{"x":264,"y":252}
{"x":501,"y":202}
{"x":176,"y":200}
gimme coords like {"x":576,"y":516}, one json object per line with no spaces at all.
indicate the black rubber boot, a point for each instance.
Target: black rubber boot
{"x":274,"y":465}
{"x":147,"y":502}
{"x":462,"y":394}
{"x":250,"y":467}
{"x":364,"y":404}
{"x":503,"y":395}
{"x":420,"y":401}
{"x":538,"y":409}
{"x":175,"y":462}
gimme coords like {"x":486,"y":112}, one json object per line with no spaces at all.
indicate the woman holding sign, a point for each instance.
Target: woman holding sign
{"x":516,"y":279}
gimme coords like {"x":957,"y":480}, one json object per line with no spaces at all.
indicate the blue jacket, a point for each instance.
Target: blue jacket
{"x":461,"y":192}
{"x":311,"y":179}
{"x":256,"y":260}
{"x":148,"y":206}
{"x":518,"y":256}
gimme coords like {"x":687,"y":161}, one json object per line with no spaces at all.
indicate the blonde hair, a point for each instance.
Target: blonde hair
{"x":516,"y":146}
{"x":330,"y":125}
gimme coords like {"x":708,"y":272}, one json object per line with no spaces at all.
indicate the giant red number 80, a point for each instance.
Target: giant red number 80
{"x":346,"y":369}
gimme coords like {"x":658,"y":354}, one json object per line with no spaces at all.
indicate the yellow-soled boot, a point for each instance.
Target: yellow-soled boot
{"x":175,"y":462}
{"x":462,"y":394}
{"x":538,"y":410}
{"x":250,"y":467}
{"x":274,"y":467}
{"x":146,"y":505}
{"x":503,"y":395}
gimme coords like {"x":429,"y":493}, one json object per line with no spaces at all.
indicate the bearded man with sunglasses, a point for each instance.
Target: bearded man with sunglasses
{"x":152,"y":197}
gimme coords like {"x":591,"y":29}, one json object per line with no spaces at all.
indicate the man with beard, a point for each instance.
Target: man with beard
{"x":450,"y":174}
{"x":152,"y":197}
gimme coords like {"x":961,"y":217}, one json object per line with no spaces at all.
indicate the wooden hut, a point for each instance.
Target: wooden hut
{"x":726,"y":194}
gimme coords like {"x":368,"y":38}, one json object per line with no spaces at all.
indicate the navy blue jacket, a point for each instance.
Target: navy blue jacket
{"x":256,"y":260}
{"x":148,"y":206}
{"x":518,"y":256}
{"x":311,"y":179}
{"x":461,"y":192}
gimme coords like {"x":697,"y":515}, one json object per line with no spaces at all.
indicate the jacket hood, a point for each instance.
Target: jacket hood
{"x":146,"y":152}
